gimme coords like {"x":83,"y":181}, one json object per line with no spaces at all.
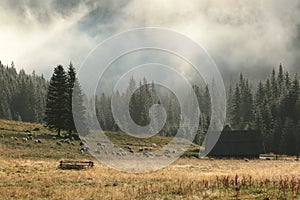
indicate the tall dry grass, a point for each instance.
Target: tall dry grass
{"x":185,"y":179}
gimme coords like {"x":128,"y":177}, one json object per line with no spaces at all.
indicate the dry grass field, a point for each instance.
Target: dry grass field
{"x":29,"y":170}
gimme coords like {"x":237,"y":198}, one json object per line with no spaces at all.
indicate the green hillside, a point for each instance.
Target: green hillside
{"x":42,"y":144}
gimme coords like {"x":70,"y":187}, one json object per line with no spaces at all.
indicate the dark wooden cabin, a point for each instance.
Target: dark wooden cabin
{"x":235,"y":144}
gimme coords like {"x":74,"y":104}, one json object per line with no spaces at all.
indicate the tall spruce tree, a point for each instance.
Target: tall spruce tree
{"x":57,"y":101}
{"x":71,"y":82}
{"x":280,"y":80}
{"x":236,"y":108}
{"x":78,"y":110}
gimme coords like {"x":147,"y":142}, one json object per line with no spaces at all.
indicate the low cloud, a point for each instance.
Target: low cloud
{"x":241,"y":36}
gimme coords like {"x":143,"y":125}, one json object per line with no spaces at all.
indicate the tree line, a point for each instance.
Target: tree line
{"x":22,"y":96}
{"x":272,"y":106}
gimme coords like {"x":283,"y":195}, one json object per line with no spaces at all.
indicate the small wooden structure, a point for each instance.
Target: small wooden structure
{"x":74,"y":164}
{"x":236,"y":144}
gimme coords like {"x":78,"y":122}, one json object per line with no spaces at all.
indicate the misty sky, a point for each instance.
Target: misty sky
{"x":250,"y":36}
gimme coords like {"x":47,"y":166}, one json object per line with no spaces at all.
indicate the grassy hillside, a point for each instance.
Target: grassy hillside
{"x":29,"y":170}
{"x":12,"y":145}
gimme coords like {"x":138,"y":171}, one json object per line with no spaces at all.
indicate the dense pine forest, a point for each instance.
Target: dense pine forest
{"x":22,"y":96}
{"x":272,"y":105}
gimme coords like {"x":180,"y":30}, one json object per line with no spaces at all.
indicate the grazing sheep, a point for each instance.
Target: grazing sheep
{"x":97,"y":151}
{"x":53,"y":138}
{"x":102,"y":146}
{"x":24,"y":139}
{"x":82,"y":144}
{"x":28,"y":134}
{"x":158,"y":155}
{"x":146,"y":154}
{"x":30,"y":138}
{"x":131,"y":151}
{"x":154,"y":145}
{"x":67,"y":140}
{"x":146,"y":148}
{"x":39,"y":141}
{"x":72,"y":143}
{"x":168,"y":155}
{"x":72,"y":138}
{"x":119,"y":153}
{"x":84,"y":148}
{"x":59,"y":143}
{"x":16,"y":138}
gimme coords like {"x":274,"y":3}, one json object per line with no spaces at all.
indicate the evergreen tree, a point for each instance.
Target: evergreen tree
{"x":71,"y":78}
{"x":287,"y":81}
{"x":78,"y":110}
{"x":260,"y":94}
{"x":229,"y":105}
{"x":57,"y":101}
{"x":267,"y":126}
{"x":274,"y":85}
{"x":247,"y":105}
{"x":280,"y":80}
{"x":236,"y":109}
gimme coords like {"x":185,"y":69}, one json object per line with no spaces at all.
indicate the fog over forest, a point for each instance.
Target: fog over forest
{"x":241,"y":36}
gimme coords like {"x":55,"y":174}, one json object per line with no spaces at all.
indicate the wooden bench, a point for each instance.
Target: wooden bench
{"x":77,"y":165}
